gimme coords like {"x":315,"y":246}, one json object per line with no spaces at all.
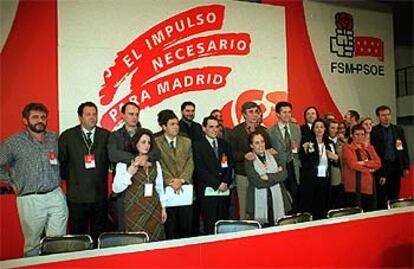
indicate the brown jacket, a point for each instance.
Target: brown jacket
{"x":178,"y":162}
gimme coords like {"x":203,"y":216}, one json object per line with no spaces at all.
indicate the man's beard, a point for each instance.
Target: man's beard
{"x":189,"y":118}
{"x":37,"y":128}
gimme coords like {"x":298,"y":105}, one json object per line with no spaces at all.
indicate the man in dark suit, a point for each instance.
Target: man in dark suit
{"x":193,"y":130}
{"x":310,"y":115}
{"x":351,"y":118}
{"x":213,"y":167}
{"x":226,"y":133}
{"x":84,"y":164}
{"x":188,"y":126}
{"x":390,"y":144}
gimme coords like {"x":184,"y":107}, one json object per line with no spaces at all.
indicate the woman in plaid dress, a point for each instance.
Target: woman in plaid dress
{"x":143,"y":183}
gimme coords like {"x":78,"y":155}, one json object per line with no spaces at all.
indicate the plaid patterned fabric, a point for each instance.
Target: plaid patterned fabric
{"x":30,"y":169}
{"x":143,"y":213}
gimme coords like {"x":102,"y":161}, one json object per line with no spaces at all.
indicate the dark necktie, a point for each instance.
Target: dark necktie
{"x":172,"y":144}
{"x":88,"y":139}
{"x":287,"y":136}
{"x":215,"y":149}
{"x":288,"y":144}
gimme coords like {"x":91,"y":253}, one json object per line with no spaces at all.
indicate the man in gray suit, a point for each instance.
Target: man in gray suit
{"x":285,"y":137}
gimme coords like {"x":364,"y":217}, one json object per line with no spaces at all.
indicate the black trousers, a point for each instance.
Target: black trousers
{"x":196,"y":228}
{"x":88,"y":218}
{"x":367,"y":201}
{"x":179,"y":222}
{"x":391,"y":189}
{"x":314,"y":192}
{"x":336,"y":196}
{"x":212,"y":210}
{"x":292,"y":186}
{"x":120,"y":208}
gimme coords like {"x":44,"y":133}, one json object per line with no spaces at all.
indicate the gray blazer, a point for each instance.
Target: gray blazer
{"x":277,"y":142}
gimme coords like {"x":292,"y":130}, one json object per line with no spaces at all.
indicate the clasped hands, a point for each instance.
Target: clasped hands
{"x":138,"y":161}
{"x":176,"y":183}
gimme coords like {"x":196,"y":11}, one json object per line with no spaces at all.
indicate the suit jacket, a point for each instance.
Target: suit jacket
{"x":178,"y":162}
{"x":377,"y":140}
{"x":195,"y":132}
{"x":310,"y":160}
{"x":208,"y":168}
{"x":84,"y":185}
{"x":278,"y":143}
{"x":119,"y":144}
{"x":306,"y":133}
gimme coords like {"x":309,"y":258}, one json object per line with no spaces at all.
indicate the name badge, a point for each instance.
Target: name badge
{"x":224,"y":163}
{"x":148,"y":189}
{"x":89,"y":161}
{"x":294,"y":148}
{"x":52,"y":156}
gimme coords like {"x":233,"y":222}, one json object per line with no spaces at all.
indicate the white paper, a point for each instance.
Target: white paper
{"x":185,"y":197}
{"x":209,"y":191}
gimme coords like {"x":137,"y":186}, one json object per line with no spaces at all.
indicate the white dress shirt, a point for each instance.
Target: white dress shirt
{"x":282,"y":128}
{"x":174,"y":140}
{"x":85,"y":132}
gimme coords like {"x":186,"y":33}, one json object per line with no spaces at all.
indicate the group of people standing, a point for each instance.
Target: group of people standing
{"x":358,"y":164}
{"x":277,"y":171}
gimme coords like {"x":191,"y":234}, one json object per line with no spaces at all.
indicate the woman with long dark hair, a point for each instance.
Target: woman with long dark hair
{"x":316,"y":157}
{"x":143,"y":182}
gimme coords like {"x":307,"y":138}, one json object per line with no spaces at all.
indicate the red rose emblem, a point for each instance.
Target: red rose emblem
{"x":344,"y":21}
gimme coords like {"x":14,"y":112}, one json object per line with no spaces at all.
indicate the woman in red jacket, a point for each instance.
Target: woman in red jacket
{"x":360,"y":161}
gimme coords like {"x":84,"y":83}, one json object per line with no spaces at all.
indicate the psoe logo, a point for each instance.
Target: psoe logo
{"x":346,"y":45}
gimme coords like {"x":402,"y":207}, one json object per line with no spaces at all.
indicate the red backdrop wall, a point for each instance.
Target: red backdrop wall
{"x":28,"y":74}
{"x":29,"y":65}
